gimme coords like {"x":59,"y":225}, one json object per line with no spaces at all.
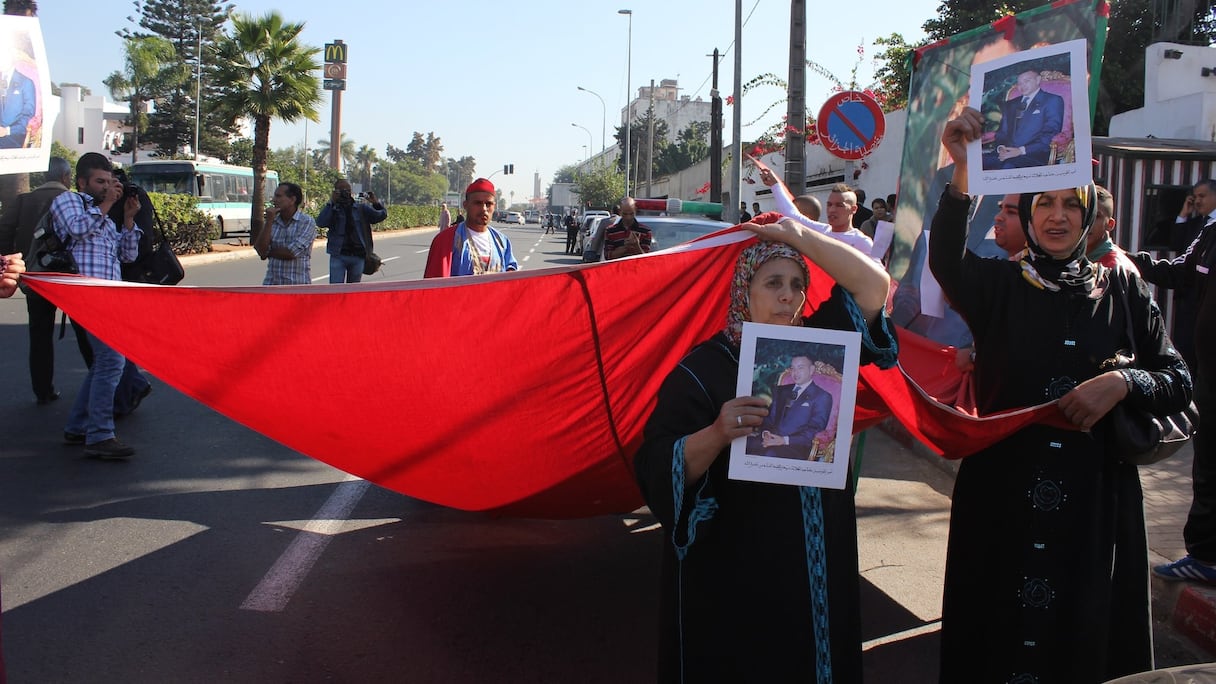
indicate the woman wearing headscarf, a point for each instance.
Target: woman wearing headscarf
{"x":759,"y":581}
{"x":1047,"y":565}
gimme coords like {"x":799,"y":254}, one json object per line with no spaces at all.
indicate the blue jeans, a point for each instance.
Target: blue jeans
{"x":93,"y":412}
{"x":344,"y":268}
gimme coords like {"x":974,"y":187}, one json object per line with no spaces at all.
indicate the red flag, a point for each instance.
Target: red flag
{"x":523,"y":393}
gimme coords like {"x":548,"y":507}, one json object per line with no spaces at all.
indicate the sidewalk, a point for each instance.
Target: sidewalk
{"x":1184,"y":613}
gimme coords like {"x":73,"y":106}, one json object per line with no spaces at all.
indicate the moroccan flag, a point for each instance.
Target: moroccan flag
{"x":522,"y":393}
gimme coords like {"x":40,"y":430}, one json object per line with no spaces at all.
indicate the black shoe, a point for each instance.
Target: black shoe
{"x":109,"y":450}
{"x":73,"y":437}
{"x":48,"y":398}
{"x":140,"y":397}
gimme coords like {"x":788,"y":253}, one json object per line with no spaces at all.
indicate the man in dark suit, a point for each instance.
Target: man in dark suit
{"x":799,"y":412}
{"x":16,"y":233}
{"x":1028,"y":123}
{"x":1193,"y":270}
{"x":17,"y":102}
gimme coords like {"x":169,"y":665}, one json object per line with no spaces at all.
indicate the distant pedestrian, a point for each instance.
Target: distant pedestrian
{"x":571,"y":233}
{"x":744,"y":216}
{"x":16,"y":233}
{"x":445,"y":217}
{"x":285,"y":242}
{"x":349,"y":238}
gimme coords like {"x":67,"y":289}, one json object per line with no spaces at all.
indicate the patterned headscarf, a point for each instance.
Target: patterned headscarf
{"x":750,"y":260}
{"x":1073,"y":273}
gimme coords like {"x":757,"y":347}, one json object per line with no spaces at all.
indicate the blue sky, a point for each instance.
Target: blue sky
{"x":498,"y":80}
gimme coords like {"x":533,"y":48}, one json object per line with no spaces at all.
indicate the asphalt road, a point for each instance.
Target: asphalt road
{"x":216,"y":554}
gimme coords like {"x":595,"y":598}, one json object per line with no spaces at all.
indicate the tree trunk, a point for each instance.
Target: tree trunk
{"x":261,"y":143}
{"x":14,"y":184}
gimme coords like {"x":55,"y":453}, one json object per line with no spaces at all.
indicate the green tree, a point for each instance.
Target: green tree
{"x":190,"y":25}
{"x":149,"y":70}
{"x":276,"y":75}
{"x":894,"y":72}
{"x":691,"y":146}
{"x":565,"y":174}
{"x":240,"y":153}
{"x":600,"y":187}
{"x":394,"y":154}
{"x":416,"y":150}
{"x":639,"y":134}
{"x":365,"y":159}
{"x":346,"y":150}
{"x":433,"y":149}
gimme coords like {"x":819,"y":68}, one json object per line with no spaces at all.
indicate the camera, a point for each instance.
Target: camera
{"x":130,"y":190}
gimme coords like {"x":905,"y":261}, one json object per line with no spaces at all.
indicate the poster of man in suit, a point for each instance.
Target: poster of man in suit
{"x":26,"y":118}
{"x":1033,"y":136}
{"x":810,"y":378}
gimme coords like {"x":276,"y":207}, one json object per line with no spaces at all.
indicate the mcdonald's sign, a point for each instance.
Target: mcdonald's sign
{"x":336,"y":52}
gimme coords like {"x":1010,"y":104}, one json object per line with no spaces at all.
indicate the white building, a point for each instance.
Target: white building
{"x":88,"y":123}
{"x":669,"y":106}
{"x":1179,"y":95}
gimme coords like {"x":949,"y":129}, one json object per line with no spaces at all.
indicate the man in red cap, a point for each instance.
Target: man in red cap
{"x":473,"y":246}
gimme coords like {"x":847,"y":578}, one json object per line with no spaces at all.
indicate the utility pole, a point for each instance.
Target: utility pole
{"x":650,"y":142}
{"x":715,"y":137}
{"x":731,"y":212}
{"x":795,"y":117}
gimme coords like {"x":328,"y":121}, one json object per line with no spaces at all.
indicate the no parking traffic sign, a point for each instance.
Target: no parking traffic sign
{"x":851,"y":125}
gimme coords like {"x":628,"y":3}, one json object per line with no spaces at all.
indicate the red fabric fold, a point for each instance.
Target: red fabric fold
{"x":521,"y":393}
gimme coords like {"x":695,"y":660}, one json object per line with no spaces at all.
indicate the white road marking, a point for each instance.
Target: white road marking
{"x":285,"y":577}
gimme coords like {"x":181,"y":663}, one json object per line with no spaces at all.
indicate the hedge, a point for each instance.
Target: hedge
{"x":190,"y":230}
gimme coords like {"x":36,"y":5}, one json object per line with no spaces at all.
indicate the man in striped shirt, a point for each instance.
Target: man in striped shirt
{"x":98,"y":246}
{"x":627,"y":237}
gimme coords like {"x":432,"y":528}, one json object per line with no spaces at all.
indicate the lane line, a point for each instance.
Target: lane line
{"x":287,"y":574}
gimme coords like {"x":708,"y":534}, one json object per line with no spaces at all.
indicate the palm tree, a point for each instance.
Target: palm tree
{"x":366,"y":158}
{"x":346,"y":151}
{"x":277,"y":75}
{"x":150,"y":68}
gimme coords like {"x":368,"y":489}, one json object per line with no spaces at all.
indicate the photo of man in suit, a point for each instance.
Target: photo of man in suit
{"x":799,"y":412}
{"x":1028,"y":123}
{"x":17,"y":100}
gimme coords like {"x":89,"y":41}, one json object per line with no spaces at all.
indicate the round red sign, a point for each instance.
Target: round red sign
{"x":851,"y":124}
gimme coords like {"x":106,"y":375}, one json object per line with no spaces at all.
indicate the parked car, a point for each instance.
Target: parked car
{"x":667,"y":231}
{"x":587,"y":223}
{"x":514,"y":217}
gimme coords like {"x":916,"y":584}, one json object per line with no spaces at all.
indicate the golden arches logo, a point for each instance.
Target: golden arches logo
{"x":335,"y":52}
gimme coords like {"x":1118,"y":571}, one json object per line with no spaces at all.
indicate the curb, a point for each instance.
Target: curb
{"x":1194,"y":616}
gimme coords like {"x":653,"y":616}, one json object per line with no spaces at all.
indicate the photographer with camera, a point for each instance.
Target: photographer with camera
{"x":350,"y":231}
{"x":98,"y":245}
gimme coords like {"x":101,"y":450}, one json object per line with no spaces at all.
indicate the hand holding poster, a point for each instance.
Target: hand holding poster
{"x":25,"y":87}
{"x":811,"y":376}
{"x":1036,"y":121}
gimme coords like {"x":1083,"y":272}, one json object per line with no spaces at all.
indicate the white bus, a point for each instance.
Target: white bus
{"x":223,"y":192}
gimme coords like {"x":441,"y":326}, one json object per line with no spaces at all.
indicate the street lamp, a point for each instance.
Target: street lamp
{"x":585,"y":157}
{"x":628,"y":91}
{"x":603,"y":119}
{"x":590,"y":141}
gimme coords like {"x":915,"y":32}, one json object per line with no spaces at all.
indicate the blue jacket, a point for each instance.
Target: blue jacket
{"x":19,"y":106}
{"x":334,"y":218}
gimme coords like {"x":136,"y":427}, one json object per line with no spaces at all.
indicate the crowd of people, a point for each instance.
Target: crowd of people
{"x":1047,"y":562}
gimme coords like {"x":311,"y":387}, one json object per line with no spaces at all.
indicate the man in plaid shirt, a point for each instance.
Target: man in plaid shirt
{"x":98,"y":246}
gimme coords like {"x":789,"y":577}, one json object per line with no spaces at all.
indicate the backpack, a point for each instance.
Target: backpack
{"x":48,"y":252}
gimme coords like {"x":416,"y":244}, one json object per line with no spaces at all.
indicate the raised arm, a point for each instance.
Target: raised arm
{"x":857,"y":273}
